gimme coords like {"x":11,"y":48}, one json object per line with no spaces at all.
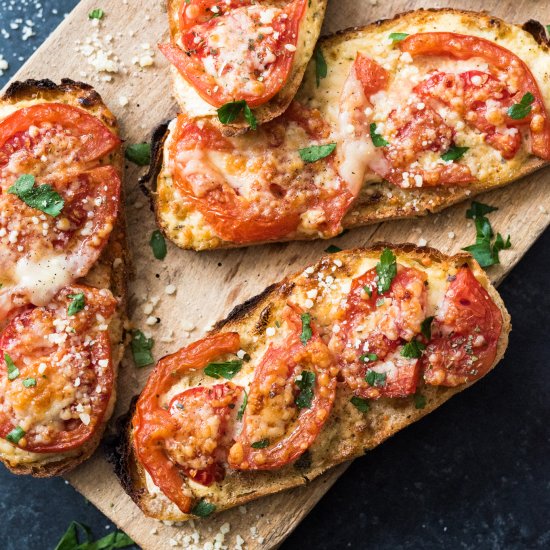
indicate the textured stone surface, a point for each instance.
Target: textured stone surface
{"x":472,"y":475}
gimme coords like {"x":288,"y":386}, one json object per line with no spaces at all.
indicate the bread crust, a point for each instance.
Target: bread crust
{"x":106,"y":273}
{"x":386,"y":417}
{"x":376,"y":202}
{"x":310,"y":29}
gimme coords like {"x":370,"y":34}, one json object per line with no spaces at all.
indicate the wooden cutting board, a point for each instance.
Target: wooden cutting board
{"x":210,"y":284}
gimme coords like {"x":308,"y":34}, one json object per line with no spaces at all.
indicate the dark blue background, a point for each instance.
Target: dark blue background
{"x":473,"y":475}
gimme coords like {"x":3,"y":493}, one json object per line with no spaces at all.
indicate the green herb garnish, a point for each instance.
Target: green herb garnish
{"x":141,"y":349}
{"x":368,"y":357}
{"x":360,"y":404}
{"x":306,"y":383}
{"x":223,"y":369}
{"x":377,"y":379}
{"x":398,"y":36}
{"x":426,"y":327}
{"x":158,"y":245}
{"x":98,"y":13}
{"x":229,"y":112}
{"x":262,"y":444}
{"x":43,"y":197}
{"x":316,"y":152}
{"x":16,"y":435}
{"x":139,"y":153}
{"x":76,"y":531}
{"x":377,"y":139}
{"x":386,"y":269}
{"x":29,"y":382}
{"x":454,"y":153}
{"x":13,"y":371}
{"x":242,"y":408}
{"x":413,"y":349}
{"x":419,"y":401}
{"x":78,"y":302}
{"x":523,"y":108}
{"x":203,"y":508}
{"x":332,"y":249}
{"x":321,"y":68}
{"x":306,"y":328}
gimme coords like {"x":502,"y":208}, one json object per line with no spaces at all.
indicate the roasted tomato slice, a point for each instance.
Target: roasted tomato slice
{"x":241,"y":51}
{"x":201,"y":441}
{"x":255,"y":187}
{"x":158,"y":443}
{"x":465,"y":333}
{"x":374,"y":329}
{"x":56,"y":375}
{"x":290,"y":399}
{"x":516,"y":74}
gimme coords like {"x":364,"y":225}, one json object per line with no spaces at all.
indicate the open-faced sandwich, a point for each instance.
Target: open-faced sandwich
{"x":414,"y":114}
{"x":318,"y":369}
{"x":235,"y":54}
{"x":62,"y":281}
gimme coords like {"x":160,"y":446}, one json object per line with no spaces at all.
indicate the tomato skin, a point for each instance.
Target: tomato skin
{"x":197,"y":12}
{"x":372,"y":75}
{"x":25,"y":340}
{"x":520,"y":77}
{"x":273,"y":392}
{"x":191,"y":68}
{"x":465,"y":334}
{"x":153,"y":425}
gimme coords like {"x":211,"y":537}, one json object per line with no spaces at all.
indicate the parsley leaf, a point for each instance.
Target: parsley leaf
{"x":29,"y":382}
{"x":360,"y":404}
{"x":203,"y":508}
{"x":13,"y":371}
{"x":332,"y":249}
{"x":478,"y":210}
{"x":16,"y":435}
{"x":377,"y":139}
{"x":229,"y":112}
{"x":454,"y":153}
{"x":262,"y":444}
{"x":321,"y":69}
{"x":419,"y":401}
{"x":520,"y":110}
{"x":141,"y":349}
{"x":377,"y":379}
{"x":386,"y":269}
{"x":43,"y":197}
{"x":306,"y":383}
{"x":98,"y":13}
{"x":306,"y":328}
{"x":426,"y":327}
{"x":139,"y":153}
{"x":223,"y":369}
{"x":368,"y":357}
{"x":78,"y":302}
{"x":413,"y":349}
{"x":242,"y":408}
{"x":398,"y":36}
{"x":158,"y":245}
{"x":316,"y":152}
{"x":368,"y":290}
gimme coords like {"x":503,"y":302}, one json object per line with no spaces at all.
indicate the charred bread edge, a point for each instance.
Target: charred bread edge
{"x":116,"y":247}
{"x":131,"y":473}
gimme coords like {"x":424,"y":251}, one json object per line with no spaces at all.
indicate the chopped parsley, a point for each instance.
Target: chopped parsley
{"x":386,"y":270}
{"x":229,"y":112}
{"x":223,"y":369}
{"x":419,"y":401}
{"x":398,"y":36}
{"x":13,"y":371}
{"x":141,"y":349}
{"x":306,"y":384}
{"x":29,"y":382}
{"x":368,"y":357}
{"x":376,"y":379}
{"x":321,"y":68}
{"x":426,"y":327}
{"x":360,"y":404}
{"x":413,"y":349}
{"x":316,"y":152}
{"x":262,"y":444}
{"x":377,"y":139}
{"x":306,"y":335}
{"x":454,"y":153}
{"x":368,"y":290}
{"x":332,"y":249}
{"x":43,"y":197}
{"x":139,"y":153}
{"x":98,"y":13}
{"x":158,"y":245}
{"x":78,"y":303}
{"x":520,"y":110}
{"x":203,"y":508}
{"x":16,"y":435}
{"x":242,"y":408}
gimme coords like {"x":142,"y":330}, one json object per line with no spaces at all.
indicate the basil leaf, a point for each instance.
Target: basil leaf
{"x":225,"y":369}
{"x":321,"y":69}
{"x":454,"y":153}
{"x":419,"y":401}
{"x":13,"y":371}
{"x":398,"y":36}
{"x":482,"y":253}
{"x":426,"y":327}
{"x":501,"y":244}
{"x":250,"y":118}
{"x":377,"y":139}
{"x":112,"y":541}
{"x":96,"y":14}
{"x":29,"y":382}
{"x":242,"y":408}
{"x":523,"y":108}
{"x":78,"y":302}
{"x":413,"y":349}
{"x":306,"y":328}
{"x":386,"y":269}
{"x":69,"y":541}
{"x":316,"y":152}
{"x":262,"y":444}
{"x":368,"y":357}
{"x":158,"y":245}
{"x":141,"y":349}
{"x":16,"y":435}
{"x":306,"y":383}
{"x":139,"y":153}
{"x":332,"y":249}
{"x":203,"y":508}
{"x":360,"y":404}
{"x":229,"y":112}
{"x":478,"y":210}
{"x":374,"y":378}
{"x":43,"y":197}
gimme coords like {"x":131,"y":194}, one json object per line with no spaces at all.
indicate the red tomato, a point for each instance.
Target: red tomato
{"x":373,"y":332}
{"x":465,"y":333}
{"x":518,"y":75}
{"x":372,"y":76}
{"x":65,"y":380}
{"x":275,"y":429}
{"x":199,"y":446}
{"x":280,"y":196}
{"x":253,"y":65}
{"x":154,"y":426}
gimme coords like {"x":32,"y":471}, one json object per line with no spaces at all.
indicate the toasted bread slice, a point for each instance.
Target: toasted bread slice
{"x":191,"y":102}
{"x":376,"y":199}
{"x":348,"y":433}
{"x":109,"y":272}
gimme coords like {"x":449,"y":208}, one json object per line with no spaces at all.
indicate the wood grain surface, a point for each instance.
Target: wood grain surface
{"x":210,"y":284}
